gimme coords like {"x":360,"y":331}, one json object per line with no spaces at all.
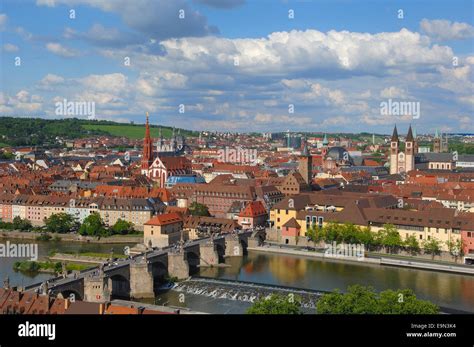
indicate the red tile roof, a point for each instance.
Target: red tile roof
{"x":165,"y":219}
{"x":253,"y":209}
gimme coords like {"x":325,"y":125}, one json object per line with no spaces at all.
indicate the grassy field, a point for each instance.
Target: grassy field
{"x":132,"y":131}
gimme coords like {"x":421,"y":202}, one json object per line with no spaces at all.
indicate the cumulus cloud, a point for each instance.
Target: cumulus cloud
{"x":51,"y":80}
{"x":22,"y":103}
{"x":3,"y":21}
{"x":60,"y":50}
{"x":106,"y":37}
{"x":10,"y":48}
{"x":393,"y":92}
{"x":158,"y":19}
{"x":311,"y":52}
{"x":443,"y":30}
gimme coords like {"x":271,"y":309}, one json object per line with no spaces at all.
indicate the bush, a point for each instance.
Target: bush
{"x":276,"y":304}
{"x":26,"y":266}
{"x":364,"y":300}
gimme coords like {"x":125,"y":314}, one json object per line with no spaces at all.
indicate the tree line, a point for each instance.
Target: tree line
{"x":387,"y":238}
{"x":357,"y":300}
{"x":62,"y":223}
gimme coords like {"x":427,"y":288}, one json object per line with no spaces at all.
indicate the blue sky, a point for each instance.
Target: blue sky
{"x":241,"y":65}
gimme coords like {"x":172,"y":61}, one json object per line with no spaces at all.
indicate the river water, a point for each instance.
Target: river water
{"x":445,"y":289}
{"x":44,"y":249}
{"x":273,"y":271}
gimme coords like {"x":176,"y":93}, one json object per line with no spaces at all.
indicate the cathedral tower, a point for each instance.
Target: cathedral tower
{"x":147,"y":157}
{"x":394,"y":142}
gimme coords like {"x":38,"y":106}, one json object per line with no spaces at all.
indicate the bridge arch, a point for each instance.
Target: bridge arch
{"x":119,"y":286}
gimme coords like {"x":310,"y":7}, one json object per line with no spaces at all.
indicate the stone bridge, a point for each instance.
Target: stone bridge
{"x":141,"y":275}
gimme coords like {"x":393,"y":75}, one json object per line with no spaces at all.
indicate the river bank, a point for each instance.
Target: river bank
{"x":32,"y":236}
{"x":378,"y":259}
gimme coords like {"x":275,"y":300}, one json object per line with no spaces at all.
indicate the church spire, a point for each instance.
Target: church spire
{"x":409,"y":135}
{"x":395,"y":134}
{"x":147,"y":156}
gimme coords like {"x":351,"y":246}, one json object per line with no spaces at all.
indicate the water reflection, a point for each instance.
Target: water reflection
{"x":445,"y":289}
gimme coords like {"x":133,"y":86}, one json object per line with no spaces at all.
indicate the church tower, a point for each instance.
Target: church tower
{"x":409,"y":151}
{"x":305,"y":164}
{"x":394,"y":142}
{"x":147,"y":157}
{"x":437,"y":143}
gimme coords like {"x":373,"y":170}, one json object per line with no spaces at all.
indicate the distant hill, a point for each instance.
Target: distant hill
{"x":18,"y":131}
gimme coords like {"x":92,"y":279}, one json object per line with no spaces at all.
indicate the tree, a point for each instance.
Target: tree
{"x":122,"y":227}
{"x":390,"y":238}
{"x":412,"y":245}
{"x":93,"y":226}
{"x":364,"y":300}
{"x":366,"y":237}
{"x":314,"y":233}
{"x":432,"y":246}
{"x":60,"y":223}
{"x":197,"y":209}
{"x":358,"y":300}
{"x":276,"y":304}
{"x":404,"y":302}
{"x":456,"y":248}
{"x":21,"y":224}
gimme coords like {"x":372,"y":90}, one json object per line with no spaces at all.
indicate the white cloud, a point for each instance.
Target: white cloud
{"x":51,"y":79}
{"x":393,"y":92}
{"x":115,"y":82}
{"x":158,"y":19}
{"x":443,"y":30}
{"x":60,"y":50}
{"x":22,"y":103}
{"x":3,"y":21}
{"x":9,"y":47}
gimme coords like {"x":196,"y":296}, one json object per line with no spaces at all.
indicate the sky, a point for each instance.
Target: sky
{"x":243,"y":65}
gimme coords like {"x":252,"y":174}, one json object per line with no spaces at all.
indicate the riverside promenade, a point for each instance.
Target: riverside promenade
{"x":370,"y":259}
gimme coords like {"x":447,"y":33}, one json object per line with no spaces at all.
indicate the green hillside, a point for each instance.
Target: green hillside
{"x":133,"y":131}
{"x":22,"y":131}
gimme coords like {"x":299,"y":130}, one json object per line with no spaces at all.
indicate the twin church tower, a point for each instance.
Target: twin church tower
{"x":401,"y":162}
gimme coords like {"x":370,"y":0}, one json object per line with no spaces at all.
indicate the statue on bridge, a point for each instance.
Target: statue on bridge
{"x":101,"y":269}
{"x":64,"y":269}
{"x":6,"y":283}
{"x":44,"y":288}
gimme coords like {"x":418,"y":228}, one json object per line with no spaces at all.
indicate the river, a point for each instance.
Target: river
{"x":445,"y":289}
{"x":44,"y":249}
{"x":313,"y":274}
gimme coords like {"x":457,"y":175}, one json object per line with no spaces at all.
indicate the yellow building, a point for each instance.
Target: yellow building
{"x":441,"y":224}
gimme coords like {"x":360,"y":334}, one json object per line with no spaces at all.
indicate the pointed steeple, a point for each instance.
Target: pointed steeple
{"x":409,"y":135}
{"x":147,"y":127}
{"x":436,"y":133}
{"x":305,"y":152}
{"x":147,"y":157}
{"x":325,"y":140}
{"x":395,"y":134}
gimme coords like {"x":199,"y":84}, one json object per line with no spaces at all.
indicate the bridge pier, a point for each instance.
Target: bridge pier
{"x":141,"y":281}
{"x":178,"y":266}
{"x":96,"y":288}
{"x":208,"y":254}
{"x":233,"y":247}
